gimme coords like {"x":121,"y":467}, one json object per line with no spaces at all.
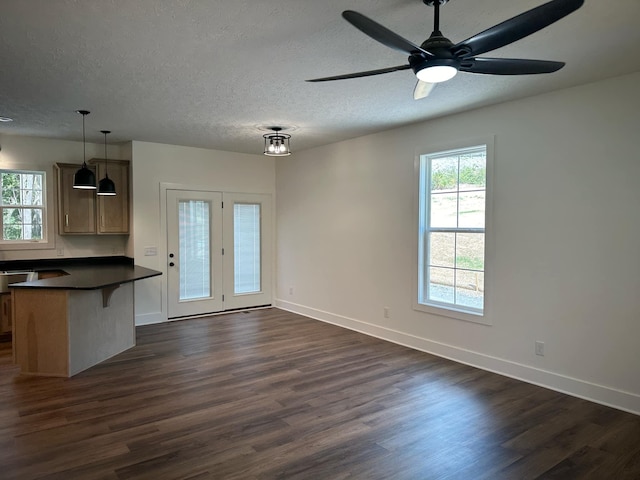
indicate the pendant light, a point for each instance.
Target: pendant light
{"x":84,"y":178}
{"x":276,"y":144}
{"x":106,"y":185}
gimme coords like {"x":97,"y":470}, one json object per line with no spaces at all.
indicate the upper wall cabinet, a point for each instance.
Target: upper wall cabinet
{"x":82,"y":212}
{"x":113,"y":211}
{"x":76,"y":208}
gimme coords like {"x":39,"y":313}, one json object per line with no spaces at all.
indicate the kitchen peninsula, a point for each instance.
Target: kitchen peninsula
{"x":75,"y":316}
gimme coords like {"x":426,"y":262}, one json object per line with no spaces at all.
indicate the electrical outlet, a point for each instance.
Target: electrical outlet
{"x":290,"y":290}
{"x":539,"y":348}
{"x":386,"y":312}
{"x":60,"y":251}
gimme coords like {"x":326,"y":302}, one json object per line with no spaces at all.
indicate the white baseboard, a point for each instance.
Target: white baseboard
{"x":150,"y":318}
{"x":619,"y":399}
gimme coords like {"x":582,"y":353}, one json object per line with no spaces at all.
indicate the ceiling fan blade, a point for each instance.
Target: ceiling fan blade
{"x":368,"y":73}
{"x":517,"y":27}
{"x":509,"y":66}
{"x":382,"y":34}
{"x":422,"y":90}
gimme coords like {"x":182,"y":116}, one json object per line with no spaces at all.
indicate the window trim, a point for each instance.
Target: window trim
{"x":48,"y":241}
{"x":451,"y":311}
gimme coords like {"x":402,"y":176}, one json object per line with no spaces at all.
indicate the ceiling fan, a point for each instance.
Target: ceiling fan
{"x":438,"y":59}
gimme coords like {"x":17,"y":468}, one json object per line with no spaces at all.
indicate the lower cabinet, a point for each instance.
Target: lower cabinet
{"x":5,"y":313}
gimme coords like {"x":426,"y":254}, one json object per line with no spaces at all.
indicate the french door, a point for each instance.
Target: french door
{"x":219,"y":251}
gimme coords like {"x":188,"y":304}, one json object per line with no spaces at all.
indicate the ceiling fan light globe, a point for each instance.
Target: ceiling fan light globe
{"x":437,"y":73}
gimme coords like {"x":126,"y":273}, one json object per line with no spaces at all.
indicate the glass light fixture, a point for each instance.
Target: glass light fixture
{"x":437,"y":73}
{"x":276,"y":144}
{"x":84,"y":178}
{"x":106,"y":185}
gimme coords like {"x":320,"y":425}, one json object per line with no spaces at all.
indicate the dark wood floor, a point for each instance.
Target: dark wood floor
{"x":268,"y":394}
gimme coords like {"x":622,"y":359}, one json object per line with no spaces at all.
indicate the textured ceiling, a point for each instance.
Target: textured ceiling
{"x":210,"y":74}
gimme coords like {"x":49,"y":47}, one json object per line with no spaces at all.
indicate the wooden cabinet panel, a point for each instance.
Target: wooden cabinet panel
{"x":83,"y":212}
{"x":113,"y":211}
{"x":5,"y":313}
{"x":76,"y":207}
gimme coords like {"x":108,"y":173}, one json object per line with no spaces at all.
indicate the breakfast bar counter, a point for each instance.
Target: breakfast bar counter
{"x":75,"y":317}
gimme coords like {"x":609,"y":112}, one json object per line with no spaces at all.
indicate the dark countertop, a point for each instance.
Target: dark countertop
{"x":91,"y":277}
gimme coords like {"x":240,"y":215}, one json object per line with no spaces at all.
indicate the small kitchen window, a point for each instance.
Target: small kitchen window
{"x":23,"y":206}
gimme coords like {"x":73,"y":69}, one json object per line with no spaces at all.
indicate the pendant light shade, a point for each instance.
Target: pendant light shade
{"x":276,"y":144}
{"x":84,"y":178}
{"x":106,"y":185}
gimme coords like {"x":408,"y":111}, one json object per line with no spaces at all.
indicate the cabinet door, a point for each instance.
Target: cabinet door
{"x":5,"y":313}
{"x":76,"y":207}
{"x":113,"y":211}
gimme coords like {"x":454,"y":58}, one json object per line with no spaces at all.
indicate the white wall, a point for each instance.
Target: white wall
{"x":41,"y":153}
{"x":155,"y":164}
{"x":566,"y":234}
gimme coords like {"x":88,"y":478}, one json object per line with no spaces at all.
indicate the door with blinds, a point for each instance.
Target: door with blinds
{"x":218,"y":252}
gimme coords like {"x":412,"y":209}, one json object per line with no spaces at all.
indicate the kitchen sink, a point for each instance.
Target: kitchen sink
{"x":7,"y":278}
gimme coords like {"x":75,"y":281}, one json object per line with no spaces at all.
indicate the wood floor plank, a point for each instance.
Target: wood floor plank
{"x":268,"y":394}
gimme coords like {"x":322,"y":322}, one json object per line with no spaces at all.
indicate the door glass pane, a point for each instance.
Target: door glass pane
{"x":246,"y":242}
{"x":195,"y":249}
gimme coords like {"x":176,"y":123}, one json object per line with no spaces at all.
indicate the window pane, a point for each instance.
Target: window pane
{"x":195,"y":248}
{"x":473,"y":171}
{"x":11,"y":224}
{"x":442,"y":249}
{"x":444,"y":173}
{"x":441,"y":282}
{"x":246,"y":256}
{"x":470,"y":251}
{"x":443,"y":210}
{"x":472,"y":205}
{"x":10,"y":189}
{"x":470,"y":289}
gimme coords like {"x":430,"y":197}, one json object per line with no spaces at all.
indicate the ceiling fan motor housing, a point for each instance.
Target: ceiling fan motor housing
{"x":440,"y":46}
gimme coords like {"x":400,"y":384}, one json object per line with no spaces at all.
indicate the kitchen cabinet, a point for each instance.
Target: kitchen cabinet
{"x":5,"y":313}
{"x":83,"y":212}
{"x":113,"y":211}
{"x":76,"y":207}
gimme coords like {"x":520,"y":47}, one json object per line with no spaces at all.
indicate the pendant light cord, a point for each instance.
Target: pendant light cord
{"x":84,"y":144}
{"x":106,"y":159}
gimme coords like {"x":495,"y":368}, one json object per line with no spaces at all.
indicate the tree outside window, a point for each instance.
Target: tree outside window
{"x":23,"y":205}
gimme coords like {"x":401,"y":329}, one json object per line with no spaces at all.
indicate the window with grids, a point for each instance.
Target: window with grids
{"x":23,"y":206}
{"x":453,"y":193}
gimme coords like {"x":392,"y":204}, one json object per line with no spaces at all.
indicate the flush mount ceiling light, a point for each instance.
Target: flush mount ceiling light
{"x":84,"y":178}
{"x":106,"y":185}
{"x":6,"y":119}
{"x":276,"y":144}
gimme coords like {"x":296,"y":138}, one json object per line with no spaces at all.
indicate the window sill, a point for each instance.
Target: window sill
{"x":480,"y":318}
{"x":39,"y":245}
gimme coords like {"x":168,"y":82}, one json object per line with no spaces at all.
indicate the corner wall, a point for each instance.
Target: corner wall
{"x":566,"y":230}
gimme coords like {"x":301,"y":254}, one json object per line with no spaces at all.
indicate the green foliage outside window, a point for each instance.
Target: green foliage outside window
{"x":22,"y":205}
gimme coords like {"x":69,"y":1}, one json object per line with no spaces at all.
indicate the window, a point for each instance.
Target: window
{"x":23,"y":205}
{"x":451,"y":232}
